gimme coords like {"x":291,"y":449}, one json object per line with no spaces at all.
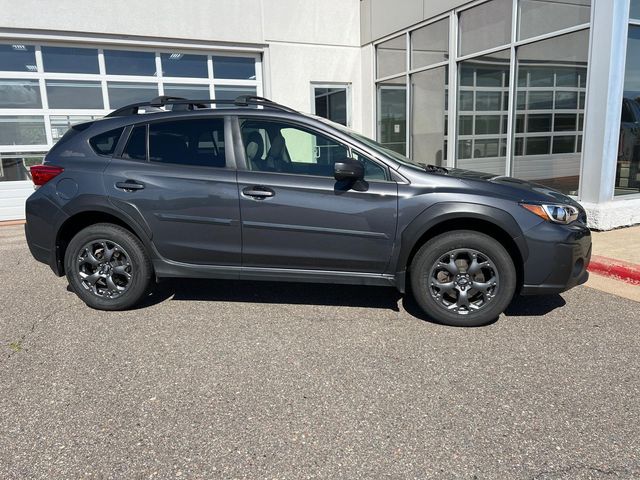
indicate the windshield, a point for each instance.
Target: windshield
{"x":378,"y":147}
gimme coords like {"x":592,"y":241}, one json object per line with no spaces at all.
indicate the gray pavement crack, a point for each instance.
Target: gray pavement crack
{"x":24,"y":337}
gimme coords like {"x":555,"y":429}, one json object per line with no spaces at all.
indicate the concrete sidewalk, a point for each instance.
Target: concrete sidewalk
{"x":615,"y":263}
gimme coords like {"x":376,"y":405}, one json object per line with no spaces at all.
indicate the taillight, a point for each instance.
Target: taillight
{"x":41,"y":174}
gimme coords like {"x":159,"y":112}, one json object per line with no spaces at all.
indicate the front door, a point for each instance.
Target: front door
{"x":294,"y":213}
{"x":183,"y":188}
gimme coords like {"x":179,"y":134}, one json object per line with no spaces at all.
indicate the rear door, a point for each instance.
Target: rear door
{"x":296,"y":215}
{"x":177,"y":177}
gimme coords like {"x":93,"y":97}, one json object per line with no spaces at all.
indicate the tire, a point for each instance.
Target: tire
{"x":104,"y":252}
{"x":444,"y":278}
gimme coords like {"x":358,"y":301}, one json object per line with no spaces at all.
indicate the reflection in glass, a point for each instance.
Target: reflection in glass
{"x":20,"y":94}
{"x":391,"y":57}
{"x":231,"y":93}
{"x":18,"y":58}
{"x":15,"y":166}
{"x":392,"y":115}
{"x":70,"y":60}
{"x":121,"y":93}
{"x":551,"y":77}
{"x":184,"y":65}
{"x":486,"y":26}
{"x":628,"y":165}
{"x":482,"y":131}
{"x":428,"y":116}
{"x":430,"y":44}
{"x":74,"y":94}
{"x":236,"y":68}
{"x":122,"y":62}
{"x":22,"y":130}
{"x":538,"y":17}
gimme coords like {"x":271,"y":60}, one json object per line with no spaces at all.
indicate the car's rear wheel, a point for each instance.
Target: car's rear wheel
{"x":463,"y":278}
{"x":108,"y":267}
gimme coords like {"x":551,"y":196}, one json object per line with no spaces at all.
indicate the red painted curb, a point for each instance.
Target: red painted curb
{"x":609,"y":267}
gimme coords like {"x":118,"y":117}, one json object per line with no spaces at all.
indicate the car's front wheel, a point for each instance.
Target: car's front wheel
{"x":108,"y":267}
{"x":463,"y":278}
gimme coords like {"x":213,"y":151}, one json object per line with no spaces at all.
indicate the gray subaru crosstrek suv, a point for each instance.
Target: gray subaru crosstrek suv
{"x":258,"y":191}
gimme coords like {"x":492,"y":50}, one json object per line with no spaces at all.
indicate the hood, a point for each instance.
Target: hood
{"x":509,"y":186}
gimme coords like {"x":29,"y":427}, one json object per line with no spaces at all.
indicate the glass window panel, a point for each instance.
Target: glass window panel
{"x":635,"y":10}
{"x":486,"y":26}
{"x":392,"y":57}
{"x":61,"y":123}
{"x":231,"y":93}
{"x":466,"y":100}
{"x":567,"y":100}
{"x":191,"y":92}
{"x":136,"y":147}
{"x":392,"y":115}
{"x":564,"y":122}
{"x":18,"y":58}
{"x":492,"y":83}
{"x":488,"y":100}
{"x":467,"y":75}
{"x":430,"y":44}
{"x":121,"y":93}
{"x":487,"y":124}
{"x":538,"y":145}
{"x":628,"y":165}
{"x":331,"y":103}
{"x":538,"y":17}
{"x":22,"y":130}
{"x":520,"y":123}
{"x":70,"y":60}
{"x":14,"y":167}
{"x":184,"y":65}
{"x":564,"y":144}
{"x":539,"y":123}
{"x":521,"y":100}
{"x":74,"y":94}
{"x":237,"y":68}
{"x":123,"y":62}
{"x":465,"y":125}
{"x":197,"y":142}
{"x":540,"y":100}
{"x":519,"y":146}
{"x":428,"y":130}
{"x":553,"y":66}
{"x":105,"y":143}
{"x":20,"y":94}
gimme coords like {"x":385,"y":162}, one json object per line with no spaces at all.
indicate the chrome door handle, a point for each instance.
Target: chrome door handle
{"x":258,"y":192}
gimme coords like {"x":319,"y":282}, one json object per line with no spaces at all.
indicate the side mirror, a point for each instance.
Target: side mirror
{"x":348,"y":169}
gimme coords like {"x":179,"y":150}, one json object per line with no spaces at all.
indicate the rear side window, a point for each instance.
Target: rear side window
{"x":188,"y":142}
{"x":136,"y":148}
{"x":105,"y":143}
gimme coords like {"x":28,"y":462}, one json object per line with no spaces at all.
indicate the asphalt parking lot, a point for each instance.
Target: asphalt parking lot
{"x":214,"y":379}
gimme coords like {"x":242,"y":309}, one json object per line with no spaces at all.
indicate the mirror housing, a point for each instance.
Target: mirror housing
{"x":348,"y":169}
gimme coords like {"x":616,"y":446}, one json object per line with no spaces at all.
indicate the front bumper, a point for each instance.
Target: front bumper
{"x":558,"y":258}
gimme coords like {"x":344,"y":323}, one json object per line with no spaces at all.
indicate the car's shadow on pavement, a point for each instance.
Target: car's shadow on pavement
{"x":321,"y":294}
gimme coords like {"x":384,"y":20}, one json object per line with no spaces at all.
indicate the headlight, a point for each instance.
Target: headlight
{"x":564,"y":214}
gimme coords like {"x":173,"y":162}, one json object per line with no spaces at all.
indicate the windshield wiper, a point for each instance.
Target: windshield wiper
{"x":435,"y":168}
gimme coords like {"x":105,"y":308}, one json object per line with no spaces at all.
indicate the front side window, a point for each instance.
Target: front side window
{"x":281,"y":147}
{"x":197,"y":142}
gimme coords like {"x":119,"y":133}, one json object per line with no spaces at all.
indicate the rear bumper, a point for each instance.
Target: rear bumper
{"x":42,"y":216}
{"x":558,"y":258}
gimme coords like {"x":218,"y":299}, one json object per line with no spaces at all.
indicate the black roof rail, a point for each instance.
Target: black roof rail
{"x":161,"y":101}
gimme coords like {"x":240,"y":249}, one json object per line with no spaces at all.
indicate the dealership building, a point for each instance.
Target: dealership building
{"x":543,"y":90}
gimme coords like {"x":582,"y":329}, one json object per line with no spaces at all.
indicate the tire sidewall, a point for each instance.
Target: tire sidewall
{"x":140,"y":263}
{"x":435,"y":248}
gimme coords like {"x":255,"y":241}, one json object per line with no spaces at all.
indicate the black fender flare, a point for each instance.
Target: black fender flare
{"x":438,"y":213}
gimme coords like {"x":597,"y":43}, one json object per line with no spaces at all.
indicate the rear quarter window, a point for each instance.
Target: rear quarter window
{"x":105,"y":143}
